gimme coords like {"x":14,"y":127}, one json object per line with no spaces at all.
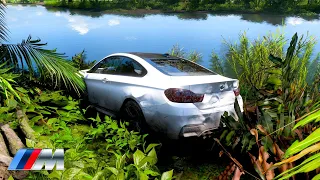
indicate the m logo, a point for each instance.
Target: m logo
{"x":35,"y":159}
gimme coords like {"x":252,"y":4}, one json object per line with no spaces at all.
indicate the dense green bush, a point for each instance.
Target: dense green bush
{"x":284,"y":6}
{"x":282,"y":99}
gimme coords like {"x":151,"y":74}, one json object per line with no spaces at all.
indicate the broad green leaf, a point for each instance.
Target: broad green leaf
{"x":44,"y":112}
{"x":317,"y":177}
{"x":98,"y":175}
{"x":113,"y":170}
{"x":30,"y":143}
{"x":245,"y":141}
{"x":150,"y":146}
{"x":153,"y":154}
{"x":11,"y":103}
{"x":143,"y":176}
{"x":146,"y":160}
{"x":297,"y":166}
{"x":268,"y":143}
{"x":151,"y":172}
{"x":55,"y":174}
{"x":6,"y":85}
{"x":307,"y":119}
{"x":83,"y":176}
{"x":304,"y":169}
{"x":52,"y":121}
{"x":274,"y":80}
{"x":22,"y":90}
{"x":224,"y":133}
{"x":299,"y":146}
{"x":68,"y":107}
{"x":167,"y":175}
{"x":36,"y":118}
{"x":70,"y":173}
{"x":120,"y":175}
{"x":121,"y":161}
{"x":267,"y":122}
{"x":138,"y":156}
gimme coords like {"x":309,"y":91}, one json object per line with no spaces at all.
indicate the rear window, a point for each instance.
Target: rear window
{"x":179,"y":67}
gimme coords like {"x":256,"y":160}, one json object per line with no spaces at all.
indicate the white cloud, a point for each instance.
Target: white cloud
{"x":295,"y":21}
{"x":113,"y":22}
{"x":130,"y":38}
{"x":78,"y":24}
{"x":39,"y":13}
{"x":18,"y":7}
{"x":12,"y":19}
{"x":58,"y":14}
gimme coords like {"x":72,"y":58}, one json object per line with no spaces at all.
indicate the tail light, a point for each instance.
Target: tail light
{"x":183,"y":95}
{"x":236,"y":88}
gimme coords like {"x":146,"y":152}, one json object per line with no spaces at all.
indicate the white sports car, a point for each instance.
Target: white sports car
{"x":169,"y":94}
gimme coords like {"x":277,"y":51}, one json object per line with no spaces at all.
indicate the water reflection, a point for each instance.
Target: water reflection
{"x":192,"y":16}
{"x":277,"y":19}
{"x":102,"y":33}
{"x":264,"y":18}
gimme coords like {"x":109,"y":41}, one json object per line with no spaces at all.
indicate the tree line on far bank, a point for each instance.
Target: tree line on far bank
{"x":285,"y":6}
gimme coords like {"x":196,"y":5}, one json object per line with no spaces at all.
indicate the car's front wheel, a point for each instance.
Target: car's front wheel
{"x":132,"y":113}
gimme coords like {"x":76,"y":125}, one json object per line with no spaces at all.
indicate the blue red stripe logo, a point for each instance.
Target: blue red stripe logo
{"x":35,"y":159}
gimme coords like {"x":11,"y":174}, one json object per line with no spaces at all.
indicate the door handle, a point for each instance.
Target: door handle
{"x":105,"y":80}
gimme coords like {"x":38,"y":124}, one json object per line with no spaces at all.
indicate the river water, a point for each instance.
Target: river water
{"x":100,"y":34}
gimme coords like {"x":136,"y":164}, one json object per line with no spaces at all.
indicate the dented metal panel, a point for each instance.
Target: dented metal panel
{"x":171,"y":118}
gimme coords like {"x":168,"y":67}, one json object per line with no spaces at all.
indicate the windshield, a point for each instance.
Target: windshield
{"x":179,"y":67}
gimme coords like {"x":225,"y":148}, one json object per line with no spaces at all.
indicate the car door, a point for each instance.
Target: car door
{"x":127,"y":80}
{"x":97,"y":81}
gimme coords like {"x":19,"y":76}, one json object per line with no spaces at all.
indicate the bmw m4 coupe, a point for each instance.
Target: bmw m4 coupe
{"x":168,"y":94}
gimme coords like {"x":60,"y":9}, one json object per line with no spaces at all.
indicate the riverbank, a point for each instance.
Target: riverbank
{"x":147,"y":7}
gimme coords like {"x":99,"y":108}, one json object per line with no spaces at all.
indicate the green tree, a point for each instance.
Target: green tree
{"x":39,"y":63}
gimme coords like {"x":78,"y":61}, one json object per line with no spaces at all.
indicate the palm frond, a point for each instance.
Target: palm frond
{"x":6,"y":80}
{"x":3,"y":27}
{"x":48,"y":64}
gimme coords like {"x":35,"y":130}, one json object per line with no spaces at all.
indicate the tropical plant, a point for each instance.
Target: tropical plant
{"x":307,"y":148}
{"x":251,"y":58}
{"x":43,"y":64}
{"x":283,"y":99}
{"x":79,"y":61}
{"x":178,"y":51}
{"x":103,"y":150}
{"x":6,"y":80}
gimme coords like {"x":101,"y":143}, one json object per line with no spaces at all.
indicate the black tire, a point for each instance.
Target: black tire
{"x":132,"y":113}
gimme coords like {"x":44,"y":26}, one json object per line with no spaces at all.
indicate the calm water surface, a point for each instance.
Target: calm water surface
{"x":100,"y":34}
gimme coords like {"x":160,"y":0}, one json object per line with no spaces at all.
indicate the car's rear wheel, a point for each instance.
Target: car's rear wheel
{"x":132,"y":113}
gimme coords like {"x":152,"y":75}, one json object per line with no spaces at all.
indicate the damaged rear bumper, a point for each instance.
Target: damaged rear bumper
{"x":178,"y":120}
{"x":211,"y":122}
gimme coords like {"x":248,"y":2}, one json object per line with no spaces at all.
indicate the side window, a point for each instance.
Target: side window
{"x":119,"y":65}
{"x":107,"y":66}
{"x":130,"y":67}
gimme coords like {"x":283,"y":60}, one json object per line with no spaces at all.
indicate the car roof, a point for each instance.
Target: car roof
{"x":153,"y":55}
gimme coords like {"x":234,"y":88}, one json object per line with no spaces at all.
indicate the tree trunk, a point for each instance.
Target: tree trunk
{"x":15,"y":142}
{"x":24,"y":125}
{"x":5,"y":160}
{"x":3,"y":146}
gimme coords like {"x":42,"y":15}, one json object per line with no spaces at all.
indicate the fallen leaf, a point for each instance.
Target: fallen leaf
{"x":220,"y":153}
{"x":255,"y":133}
{"x":265,"y":165}
{"x":262,"y":129}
